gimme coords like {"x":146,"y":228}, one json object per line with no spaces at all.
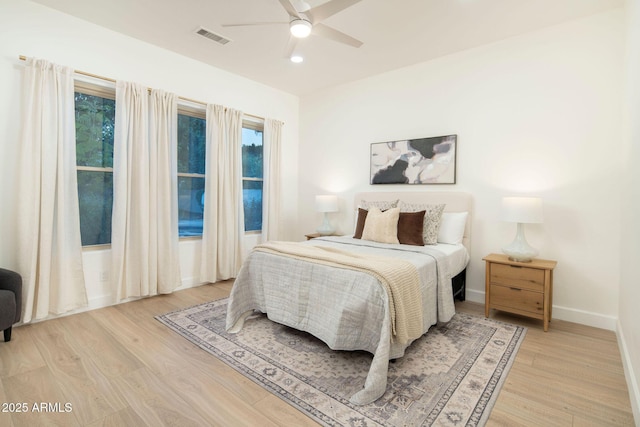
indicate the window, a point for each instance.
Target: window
{"x":252,"y":175}
{"x":191,"y":168}
{"x":95,"y":119}
{"x":95,"y":109}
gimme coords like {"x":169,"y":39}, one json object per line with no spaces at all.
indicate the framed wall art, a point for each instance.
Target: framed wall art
{"x":414,"y":161}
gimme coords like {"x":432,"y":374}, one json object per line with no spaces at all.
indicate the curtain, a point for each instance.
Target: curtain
{"x":223,"y":225}
{"x":271,"y":200}
{"x":132,"y":271}
{"x":49,"y":243}
{"x":164,"y":191}
{"x":144,"y":241}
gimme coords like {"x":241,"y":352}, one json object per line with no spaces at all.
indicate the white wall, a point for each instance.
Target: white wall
{"x":537,"y":114}
{"x":33,"y":30}
{"x":629,"y":317}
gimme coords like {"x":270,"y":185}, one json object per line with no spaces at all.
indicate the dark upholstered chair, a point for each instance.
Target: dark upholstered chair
{"x":10,"y":301}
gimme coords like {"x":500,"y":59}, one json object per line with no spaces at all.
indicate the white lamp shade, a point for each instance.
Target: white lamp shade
{"x":327,"y":203}
{"x":522,"y":209}
{"x":300,"y":28}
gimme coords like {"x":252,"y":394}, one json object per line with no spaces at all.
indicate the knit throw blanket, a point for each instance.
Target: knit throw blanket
{"x":398,"y":277}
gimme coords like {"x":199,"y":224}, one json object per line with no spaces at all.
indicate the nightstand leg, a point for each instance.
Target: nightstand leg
{"x":487,"y":288}
{"x":547,"y":300}
{"x":550,"y":294}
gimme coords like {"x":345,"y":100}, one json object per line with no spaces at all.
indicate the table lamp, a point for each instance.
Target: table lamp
{"x":326,"y":204}
{"x":521,"y":210}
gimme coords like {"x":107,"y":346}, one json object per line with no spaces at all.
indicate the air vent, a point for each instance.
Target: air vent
{"x":212,"y":36}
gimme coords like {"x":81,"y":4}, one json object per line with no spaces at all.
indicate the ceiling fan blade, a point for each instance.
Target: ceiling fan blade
{"x":247,"y":24}
{"x":322,"y":12}
{"x":335,"y":35}
{"x":291,"y":47}
{"x":289,"y":8}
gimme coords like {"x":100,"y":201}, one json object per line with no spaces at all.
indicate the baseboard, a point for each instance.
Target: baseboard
{"x":99,"y":301}
{"x":588,"y":318}
{"x":106,"y":300}
{"x":474,"y":296}
{"x":629,"y":373}
{"x":189,"y":282}
{"x":582,"y":317}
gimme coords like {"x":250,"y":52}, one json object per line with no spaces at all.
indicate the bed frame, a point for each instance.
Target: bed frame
{"x":455,"y":201}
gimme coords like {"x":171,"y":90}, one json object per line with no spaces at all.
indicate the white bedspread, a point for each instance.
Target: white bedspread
{"x":346,"y":309}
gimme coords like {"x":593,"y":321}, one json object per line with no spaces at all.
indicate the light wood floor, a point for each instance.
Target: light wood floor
{"x":118,"y":366}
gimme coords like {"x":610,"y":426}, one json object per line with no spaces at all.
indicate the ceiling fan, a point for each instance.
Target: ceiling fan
{"x":305,"y":20}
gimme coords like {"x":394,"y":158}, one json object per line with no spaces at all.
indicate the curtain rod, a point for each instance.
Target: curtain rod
{"x":108,"y":79}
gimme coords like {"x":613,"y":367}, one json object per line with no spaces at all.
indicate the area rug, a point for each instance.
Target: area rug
{"x":451,"y":376}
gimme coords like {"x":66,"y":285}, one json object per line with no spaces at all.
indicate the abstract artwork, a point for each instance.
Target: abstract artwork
{"x":414,"y":161}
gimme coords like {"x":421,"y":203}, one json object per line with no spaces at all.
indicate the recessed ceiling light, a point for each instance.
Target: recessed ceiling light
{"x":296,"y":58}
{"x":300,"y":28}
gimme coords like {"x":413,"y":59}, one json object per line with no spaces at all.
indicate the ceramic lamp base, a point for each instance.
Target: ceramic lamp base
{"x":520,"y":250}
{"x":325,"y":229}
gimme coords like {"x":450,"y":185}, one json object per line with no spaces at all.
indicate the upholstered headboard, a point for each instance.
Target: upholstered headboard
{"x":455,"y":201}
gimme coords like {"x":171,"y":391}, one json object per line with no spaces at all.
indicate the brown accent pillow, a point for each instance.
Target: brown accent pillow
{"x":432,"y":219}
{"x":410,"y":228}
{"x":362,"y":217}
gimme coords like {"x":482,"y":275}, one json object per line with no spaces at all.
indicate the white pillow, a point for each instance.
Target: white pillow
{"x":381,"y":226}
{"x":452,"y":227}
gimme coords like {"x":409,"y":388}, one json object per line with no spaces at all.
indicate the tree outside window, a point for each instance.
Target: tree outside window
{"x":94,"y":121}
{"x":191,"y":172}
{"x":252,"y":176}
{"x":94,"y":117}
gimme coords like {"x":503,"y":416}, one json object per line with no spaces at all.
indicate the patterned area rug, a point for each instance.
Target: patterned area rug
{"x":451,"y":376}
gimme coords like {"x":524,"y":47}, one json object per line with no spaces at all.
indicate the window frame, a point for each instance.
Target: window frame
{"x":258,"y":125}
{"x":100,"y":88}
{"x":95,"y":87}
{"x":199,"y":112}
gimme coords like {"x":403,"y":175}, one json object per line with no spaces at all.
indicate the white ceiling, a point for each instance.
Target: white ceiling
{"x":395,"y":33}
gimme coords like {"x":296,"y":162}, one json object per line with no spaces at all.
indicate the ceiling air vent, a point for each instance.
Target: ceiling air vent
{"x":213,"y":36}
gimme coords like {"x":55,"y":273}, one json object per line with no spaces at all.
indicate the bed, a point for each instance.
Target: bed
{"x":354,"y":308}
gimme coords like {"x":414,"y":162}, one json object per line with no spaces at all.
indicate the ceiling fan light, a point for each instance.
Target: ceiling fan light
{"x":296,"y":59}
{"x":300,"y":28}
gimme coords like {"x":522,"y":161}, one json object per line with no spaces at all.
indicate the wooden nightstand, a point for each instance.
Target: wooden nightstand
{"x":524,"y":288}
{"x":314,"y":235}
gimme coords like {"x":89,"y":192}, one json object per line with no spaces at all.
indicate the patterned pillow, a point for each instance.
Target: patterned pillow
{"x":381,"y":226}
{"x":432,"y":216}
{"x":383,"y":205}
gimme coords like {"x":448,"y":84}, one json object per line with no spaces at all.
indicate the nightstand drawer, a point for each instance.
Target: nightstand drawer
{"x":517,"y":300}
{"x":518,"y":277}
